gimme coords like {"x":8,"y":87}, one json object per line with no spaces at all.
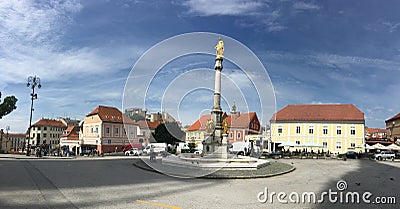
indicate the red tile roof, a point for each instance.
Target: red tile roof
{"x":71,"y":133}
{"x":241,"y":120}
{"x":200,"y":123}
{"x":393,"y":118}
{"x":376,"y":130}
{"x":147,"y":124}
{"x":319,"y":112}
{"x":49,"y":123}
{"x":16,"y":135}
{"x":110,"y":114}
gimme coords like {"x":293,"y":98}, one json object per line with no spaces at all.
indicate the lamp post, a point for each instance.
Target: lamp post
{"x":7,"y":129}
{"x":33,"y":81}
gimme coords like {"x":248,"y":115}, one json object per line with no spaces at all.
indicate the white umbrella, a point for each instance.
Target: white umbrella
{"x":311,"y":144}
{"x":367,"y":146}
{"x":393,"y":147}
{"x":380,"y":146}
{"x":288,"y":144}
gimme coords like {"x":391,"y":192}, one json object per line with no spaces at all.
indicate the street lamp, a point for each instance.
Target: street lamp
{"x":7,"y":129}
{"x":33,"y":81}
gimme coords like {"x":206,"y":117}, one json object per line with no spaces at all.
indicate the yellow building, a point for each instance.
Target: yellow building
{"x":336,"y":128}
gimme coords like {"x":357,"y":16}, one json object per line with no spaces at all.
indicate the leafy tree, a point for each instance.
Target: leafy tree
{"x":192,"y":147}
{"x":8,"y":105}
{"x":169,"y":133}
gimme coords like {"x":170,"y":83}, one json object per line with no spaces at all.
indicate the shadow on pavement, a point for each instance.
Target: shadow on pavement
{"x":86,"y":183}
{"x":381,"y":179}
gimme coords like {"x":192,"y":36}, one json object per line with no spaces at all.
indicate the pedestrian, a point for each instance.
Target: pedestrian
{"x":37,"y":151}
{"x":152,"y":155}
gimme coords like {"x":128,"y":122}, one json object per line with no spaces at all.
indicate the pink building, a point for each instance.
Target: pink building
{"x":106,"y":129}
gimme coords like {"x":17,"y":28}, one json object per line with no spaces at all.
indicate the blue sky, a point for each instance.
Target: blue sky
{"x":314,"y":51}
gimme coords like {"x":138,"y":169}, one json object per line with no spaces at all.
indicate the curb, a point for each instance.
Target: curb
{"x":147,"y":168}
{"x":250,"y":177}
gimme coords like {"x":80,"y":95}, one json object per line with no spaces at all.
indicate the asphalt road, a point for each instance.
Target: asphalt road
{"x":115,"y":183}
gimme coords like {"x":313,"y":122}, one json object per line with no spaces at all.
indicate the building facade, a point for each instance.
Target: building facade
{"x":47,"y":132}
{"x":145,"y":131}
{"x":240,"y":125}
{"x":70,"y":139}
{"x":13,"y":142}
{"x":106,"y":130}
{"x":336,"y":128}
{"x":393,"y":127}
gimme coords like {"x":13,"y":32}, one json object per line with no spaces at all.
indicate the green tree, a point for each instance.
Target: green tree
{"x":169,"y":133}
{"x":8,"y":105}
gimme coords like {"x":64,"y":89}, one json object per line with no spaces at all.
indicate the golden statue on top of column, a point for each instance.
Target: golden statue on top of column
{"x":220,"y":49}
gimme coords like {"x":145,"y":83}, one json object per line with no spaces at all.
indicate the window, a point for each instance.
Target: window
{"x":311,"y":129}
{"x":45,"y":128}
{"x":353,"y":145}
{"x":325,"y":130}
{"x":352,"y":130}
{"x":108,"y":130}
{"x":230,"y":134}
{"x":238,"y":135}
{"x":297,"y":129}
{"x":116,"y":130}
{"x":97,"y":129}
{"x":38,"y":128}
{"x":338,"y":145}
{"x":91,"y":130}
{"x":339,"y":130}
{"x":279,"y":129}
{"x":109,"y":141}
{"x":324,"y":144}
{"x":44,"y":135}
{"x":297,"y":142}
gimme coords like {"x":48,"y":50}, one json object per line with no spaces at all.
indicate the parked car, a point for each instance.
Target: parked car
{"x":275,"y":154}
{"x":86,"y":152}
{"x":134,"y":152}
{"x":352,"y":154}
{"x":240,"y":148}
{"x":70,"y":153}
{"x":384,"y":155}
{"x":157,"y":147}
{"x":198,"y":152}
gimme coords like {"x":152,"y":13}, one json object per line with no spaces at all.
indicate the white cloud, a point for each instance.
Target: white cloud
{"x":272,"y":22}
{"x":215,"y":7}
{"x":305,"y":6}
{"x":29,"y":22}
{"x":30,"y":44}
{"x":391,"y":26}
